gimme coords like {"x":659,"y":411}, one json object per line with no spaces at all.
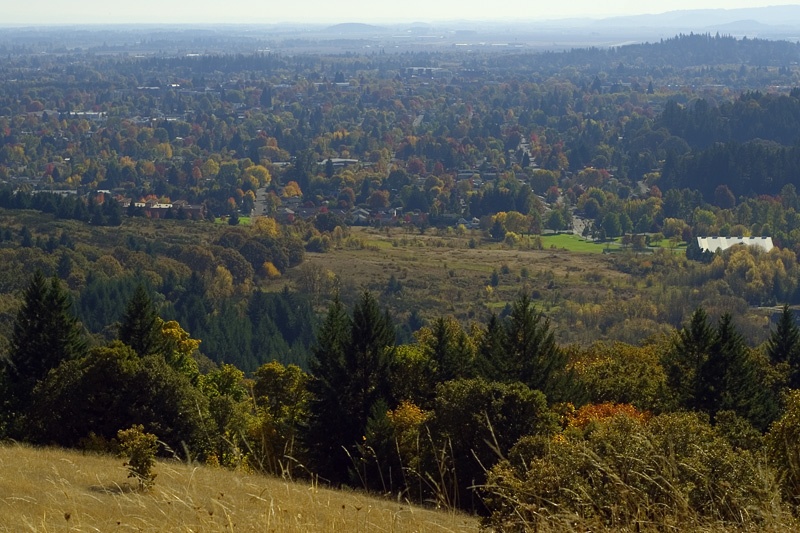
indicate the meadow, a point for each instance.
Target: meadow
{"x":48,"y":490}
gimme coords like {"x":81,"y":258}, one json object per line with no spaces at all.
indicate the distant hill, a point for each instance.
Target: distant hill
{"x":764,"y":20}
{"x":749,"y":27}
{"x":354,"y":28}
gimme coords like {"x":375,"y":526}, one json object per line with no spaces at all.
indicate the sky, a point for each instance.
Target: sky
{"x":47,"y":12}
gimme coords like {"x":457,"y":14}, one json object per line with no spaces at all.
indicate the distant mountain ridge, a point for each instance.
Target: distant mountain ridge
{"x":771,"y":16}
{"x":773,"y":21}
{"x":354,"y":27}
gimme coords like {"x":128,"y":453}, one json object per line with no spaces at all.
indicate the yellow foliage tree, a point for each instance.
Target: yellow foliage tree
{"x":265,"y":226}
{"x":260,"y":173}
{"x":292,"y":189}
{"x":271,"y":271}
{"x":178,"y":348}
{"x":163,"y":151}
{"x":408,"y":422}
{"x":210,"y":168}
{"x":221,"y":286}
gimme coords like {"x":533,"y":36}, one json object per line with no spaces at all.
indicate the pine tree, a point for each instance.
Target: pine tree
{"x":783,"y":345}
{"x":491,"y":363}
{"x":450,"y":350}
{"x":327,"y":427}
{"x":684,"y":363}
{"x":45,"y":334}
{"x":733,"y":381}
{"x":351,"y":368}
{"x":525,"y":350}
{"x":368,"y":357}
{"x":140,"y":326}
{"x":725,"y":374}
{"x":530,"y":345}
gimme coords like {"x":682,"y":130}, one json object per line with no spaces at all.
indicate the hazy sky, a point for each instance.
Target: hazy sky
{"x":268,"y":11}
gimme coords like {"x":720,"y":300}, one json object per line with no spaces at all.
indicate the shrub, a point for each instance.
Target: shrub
{"x":674,"y":470}
{"x":140,"y":448}
{"x":783,"y":449}
{"x":476,"y":422}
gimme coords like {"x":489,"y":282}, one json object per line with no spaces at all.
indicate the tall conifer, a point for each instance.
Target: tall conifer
{"x":351,"y":368}
{"x":783,"y":345}
{"x":140,"y":325}
{"x":45,"y":334}
{"x":684,"y":363}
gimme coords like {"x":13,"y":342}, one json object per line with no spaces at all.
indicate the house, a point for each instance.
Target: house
{"x":469,"y":224}
{"x":360,"y":216}
{"x":712,"y":244}
{"x":339,"y":162}
{"x":195,"y":212}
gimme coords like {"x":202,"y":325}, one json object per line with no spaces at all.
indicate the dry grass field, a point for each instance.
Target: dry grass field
{"x":53,"y":490}
{"x":443,"y":275}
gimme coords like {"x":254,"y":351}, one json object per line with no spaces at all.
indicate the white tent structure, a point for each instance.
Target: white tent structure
{"x":712,"y":244}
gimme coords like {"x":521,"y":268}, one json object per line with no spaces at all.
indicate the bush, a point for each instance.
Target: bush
{"x":783,"y":449}
{"x":111,"y":388}
{"x":674,"y":470}
{"x":475,"y":423}
{"x":140,"y":448}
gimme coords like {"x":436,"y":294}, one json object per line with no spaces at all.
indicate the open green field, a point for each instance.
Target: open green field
{"x":243,"y":220}
{"x":666,"y":243}
{"x":573,"y":243}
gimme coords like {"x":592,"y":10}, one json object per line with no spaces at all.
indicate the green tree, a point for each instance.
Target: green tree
{"x":476,"y":422}
{"x":351,"y":372}
{"x":112,"y":387}
{"x":684,"y":363}
{"x":728,"y":376}
{"x":612,"y":226}
{"x":555,"y":220}
{"x":783,"y":345}
{"x":140,"y":327}
{"x":449,"y":350}
{"x":490,"y":356}
{"x":527,"y":352}
{"x":45,"y":334}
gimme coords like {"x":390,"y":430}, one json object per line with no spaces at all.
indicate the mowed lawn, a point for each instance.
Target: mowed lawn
{"x":573,"y":243}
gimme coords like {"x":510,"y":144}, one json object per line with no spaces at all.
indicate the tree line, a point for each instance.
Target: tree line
{"x":453,"y":417}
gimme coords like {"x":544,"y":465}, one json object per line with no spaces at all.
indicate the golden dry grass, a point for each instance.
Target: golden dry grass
{"x":49,"y":490}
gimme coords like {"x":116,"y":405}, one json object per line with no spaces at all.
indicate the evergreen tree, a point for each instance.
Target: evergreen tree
{"x":736,"y":382}
{"x":684,"y":363}
{"x":450,"y":350}
{"x":27,"y":238}
{"x":726,"y":374}
{"x":783,"y":345}
{"x":140,"y":327}
{"x":327,"y":428}
{"x":45,"y":334}
{"x":112,"y":212}
{"x":524,"y":349}
{"x":351,"y":372}
{"x":491,"y":363}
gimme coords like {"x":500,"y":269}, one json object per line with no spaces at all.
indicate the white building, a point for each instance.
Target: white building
{"x":712,"y":244}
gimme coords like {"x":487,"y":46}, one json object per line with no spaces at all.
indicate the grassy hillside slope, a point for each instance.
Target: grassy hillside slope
{"x":58,"y":490}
